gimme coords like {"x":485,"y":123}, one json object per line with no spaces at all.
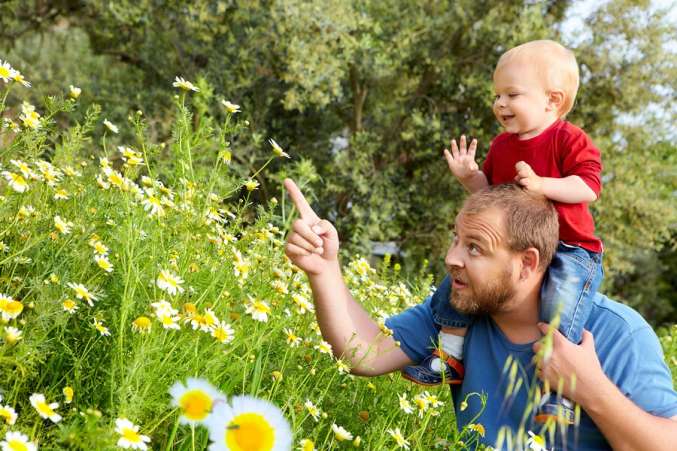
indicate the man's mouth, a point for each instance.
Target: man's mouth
{"x":457,"y":284}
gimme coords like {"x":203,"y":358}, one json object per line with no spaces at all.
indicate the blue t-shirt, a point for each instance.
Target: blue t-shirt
{"x":627,"y":347}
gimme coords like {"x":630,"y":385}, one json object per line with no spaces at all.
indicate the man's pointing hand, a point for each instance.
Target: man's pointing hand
{"x":313,"y":243}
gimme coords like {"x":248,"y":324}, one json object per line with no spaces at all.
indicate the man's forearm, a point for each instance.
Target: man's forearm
{"x":475,"y":182}
{"x":569,"y":190}
{"x":625,"y":425}
{"x":352,"y":333}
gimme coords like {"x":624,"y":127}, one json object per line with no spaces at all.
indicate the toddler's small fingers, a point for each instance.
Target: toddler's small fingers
{"x":454,"y":149}
{"x":472,"y":148}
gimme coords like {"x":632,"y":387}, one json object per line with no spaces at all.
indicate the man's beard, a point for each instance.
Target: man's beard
{"x":488,"y":299}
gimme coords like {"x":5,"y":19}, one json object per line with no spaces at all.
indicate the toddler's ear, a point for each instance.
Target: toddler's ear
{"x":555,"y":99}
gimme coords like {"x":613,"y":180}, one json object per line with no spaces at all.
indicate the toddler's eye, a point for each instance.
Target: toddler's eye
{"x":513,"y":94}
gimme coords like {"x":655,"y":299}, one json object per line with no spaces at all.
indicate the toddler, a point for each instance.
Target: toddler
{"x":535,"y":86}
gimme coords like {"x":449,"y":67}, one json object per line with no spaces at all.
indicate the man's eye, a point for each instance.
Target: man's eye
{"x":473,"y":249}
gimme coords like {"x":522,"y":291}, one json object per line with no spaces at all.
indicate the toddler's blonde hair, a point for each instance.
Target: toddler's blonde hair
{"x":555,"y":64}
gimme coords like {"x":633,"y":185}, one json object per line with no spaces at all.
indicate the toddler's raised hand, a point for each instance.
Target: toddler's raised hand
{"x":461,"y":160}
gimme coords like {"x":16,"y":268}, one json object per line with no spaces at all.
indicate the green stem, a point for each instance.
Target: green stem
{"x":170,"y":441}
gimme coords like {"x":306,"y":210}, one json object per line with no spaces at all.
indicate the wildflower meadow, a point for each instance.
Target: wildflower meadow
{"x":144,"y":296}
{"x":147,"y":303}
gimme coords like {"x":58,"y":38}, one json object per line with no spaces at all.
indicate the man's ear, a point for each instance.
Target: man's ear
{"x":556,"y":99}
{"x":531,"y":259}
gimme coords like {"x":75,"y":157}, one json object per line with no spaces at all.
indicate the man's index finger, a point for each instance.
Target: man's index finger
{"x":300,"y":201}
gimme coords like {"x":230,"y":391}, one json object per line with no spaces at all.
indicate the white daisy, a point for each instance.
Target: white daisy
{"x":81,"y":292}
{"x":16,"y":441}
{"x":110,"y":126}
{"x":181,"y":83}
{"x":396,"y":434}
{"x":340,"y":433}
{"x":312,"y":409}
{"x":169,"y":282}
{"x":8,"y":414}
{"x":248,"y":423}
{"x":277,"y":150}
{"x":258,"y":309}
{"x":16,"y":181}
{"x":232,"y":108}
{"x":223,"y":332}
{"x":6,"y":71}
{"x":44,"y":409}
{"x":535,"y":442}
{"x":195,"y":399}
{"x":129,"y":435}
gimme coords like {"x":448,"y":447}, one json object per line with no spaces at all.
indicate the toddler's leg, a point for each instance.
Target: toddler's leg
{"x":444,"y":365}
{"x":566,"y":296}
{"x":451,"y":341}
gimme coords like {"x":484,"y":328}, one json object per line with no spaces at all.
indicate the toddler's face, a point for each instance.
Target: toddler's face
{"x":521,"y":103}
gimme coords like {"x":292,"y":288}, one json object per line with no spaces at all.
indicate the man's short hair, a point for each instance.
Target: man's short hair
{"x":555,"y":64}
{"x":530,"y":220}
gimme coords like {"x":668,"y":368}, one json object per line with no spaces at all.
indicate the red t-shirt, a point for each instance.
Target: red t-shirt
{"x":560,"y":151}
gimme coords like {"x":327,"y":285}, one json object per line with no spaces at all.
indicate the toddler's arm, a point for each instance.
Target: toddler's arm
{"x":462,"y":164}
{"x":569,"y":190}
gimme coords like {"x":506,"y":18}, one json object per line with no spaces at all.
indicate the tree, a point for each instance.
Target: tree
{"x":371,"y":92}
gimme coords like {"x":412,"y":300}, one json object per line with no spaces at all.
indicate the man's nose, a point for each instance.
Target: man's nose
{"x":453,"y":258}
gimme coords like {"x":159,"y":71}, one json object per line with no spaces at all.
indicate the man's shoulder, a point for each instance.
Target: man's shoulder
{"x":613,"y":322}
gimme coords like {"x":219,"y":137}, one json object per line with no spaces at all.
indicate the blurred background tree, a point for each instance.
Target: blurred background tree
{"x":365,"y":95}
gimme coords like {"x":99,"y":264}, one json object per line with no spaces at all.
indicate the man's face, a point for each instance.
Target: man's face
{"x":480,"y":265}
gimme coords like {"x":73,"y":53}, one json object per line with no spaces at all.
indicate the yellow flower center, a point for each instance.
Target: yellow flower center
{"x":261,"y":307}
{"x":104,"y":264}
{"x":17,"y":445}
{"x":44,"y":409}
{"x":4,"y":72}
{"x":131,"y":435}
{"x":195,"y":405}
{"x":17,"y":179}
{"x":250,"y":432}
{"x":169,"y":280}
{"x":82,"y":293}
{"x":115,"y":179}
{"x":5,"y":413}
{"x":142,"y":322}
{"x":13,"y":308}
{"x":167,"y":320}
{"x":220,"y":334}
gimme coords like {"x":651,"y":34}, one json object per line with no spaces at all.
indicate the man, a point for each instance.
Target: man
{"x":503,"y":242}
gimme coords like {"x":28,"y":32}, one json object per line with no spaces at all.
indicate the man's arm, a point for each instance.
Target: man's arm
{"x":354,"y":336}
{"x":624,"y":424}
